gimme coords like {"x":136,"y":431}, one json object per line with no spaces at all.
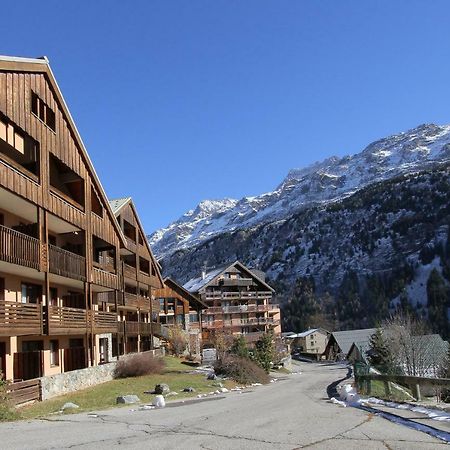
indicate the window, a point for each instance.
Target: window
{"x":193,"y":317}
{"x":43,"y":111}
{"x":32,"y":346}
{"x":180,"y":319}
{"x":53,"y":296}
{"x":103,"y":350}
{"x":54,"y":353}
{"x":18,"y":147}
{"x":31,"y":293}
{"x":129,"y":230}
{"x":76,"y":343}
{"x":66,"y":181}
{"x":2,"y":289}
{"x":96,"y":206}
{"x":144,"y":266}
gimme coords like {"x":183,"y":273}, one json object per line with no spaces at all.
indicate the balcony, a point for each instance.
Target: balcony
{"x":106,"y":263}
{"x":129,"y":271}
{"x":103,"y":322}
{"x":218,"y":295}
{"x":65,"y":320}
{"x":131,"y":328}
{"x":19,"y":248}
{"x":66,"y":264}
{"x":160,"y":331}
{"x":242,"y":309}
{"x":236,"y":282}
{"x":20,"y":319}
{"x":106,"y":279}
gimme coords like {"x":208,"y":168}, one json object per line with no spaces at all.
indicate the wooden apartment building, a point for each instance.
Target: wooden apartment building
{"x":138,"y":308}
{"x":68,"y":297}
{"x":239,"y":303}
{"x":178,"y":307}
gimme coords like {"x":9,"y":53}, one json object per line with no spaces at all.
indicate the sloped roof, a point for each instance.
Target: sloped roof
{"x":188,"y":295}
{"x":116,"y":206}
{"x":199,"y":283}
{"x":195,"y":284}
{"x":306,"y":333}
{"x":118,"y":203}
{"x":345,"y":339}
{"x":42,"y":65}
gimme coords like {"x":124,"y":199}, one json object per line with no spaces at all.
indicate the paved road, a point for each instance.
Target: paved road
{"x":289,"y":414}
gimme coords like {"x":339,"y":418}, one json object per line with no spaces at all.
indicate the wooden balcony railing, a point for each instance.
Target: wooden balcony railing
{"x":155,"y":305}
{"x":64,"y":320}
{"x":106,"y":263}
{"x":135,"y":328}
{"x":129,"y":271}
{"x":145,"y":328}
{"x":237,"y":282}
{"x":20,"y":319}
{"x":242,"y":309}
{"x":19,"y":248}
{"x":66,"y":264}
{"x":131,"y":300}
{"x":160,"y":330}
{"x":131,"y":328}
{"x":103,"y":322}
{"x":237,"y":295}
{"x":106,"y":279}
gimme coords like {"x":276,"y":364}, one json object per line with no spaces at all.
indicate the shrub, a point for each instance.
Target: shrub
{"x":138,"y":364}
{"x":242,"y":370}
{"x":6,"y":410}
{"x":178,"y":340}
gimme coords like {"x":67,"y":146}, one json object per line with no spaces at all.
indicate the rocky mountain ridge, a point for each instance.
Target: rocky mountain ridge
{"x":330,"y":180}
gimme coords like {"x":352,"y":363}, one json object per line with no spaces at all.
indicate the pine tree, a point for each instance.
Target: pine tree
{"x":240,"y":348}
{"x":438,"y":303}
{"x":379,"y":355}
{"x":265,"y":351}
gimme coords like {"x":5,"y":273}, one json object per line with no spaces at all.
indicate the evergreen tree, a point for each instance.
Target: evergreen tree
{"x":348,"y":303}
{"x":239,"y":347}
{"x":301,"y":306}
{"x":380,"y":355}
{"x":265,"y":351}
{"x":438,"y":303}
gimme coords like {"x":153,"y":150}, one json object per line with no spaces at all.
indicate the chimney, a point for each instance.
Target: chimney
{"x":203,"y":274}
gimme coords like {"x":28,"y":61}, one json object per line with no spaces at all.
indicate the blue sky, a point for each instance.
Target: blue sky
{"x":179,"y":101}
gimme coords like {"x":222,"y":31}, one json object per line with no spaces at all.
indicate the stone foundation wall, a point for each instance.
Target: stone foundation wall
{"x":72,"y":381}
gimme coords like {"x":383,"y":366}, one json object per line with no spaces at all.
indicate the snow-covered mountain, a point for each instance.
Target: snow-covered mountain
{"x":321,"y":183}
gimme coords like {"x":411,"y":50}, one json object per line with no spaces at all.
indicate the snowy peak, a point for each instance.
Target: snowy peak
{"x":326,"y":181}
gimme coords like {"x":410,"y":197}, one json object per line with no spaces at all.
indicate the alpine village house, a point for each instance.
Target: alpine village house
{"x":239,"y":303}
{"x":76,"y":276}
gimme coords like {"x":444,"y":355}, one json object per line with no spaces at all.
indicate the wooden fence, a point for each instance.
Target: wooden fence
{"x":24,"y":391}
{"x":364,"y":380}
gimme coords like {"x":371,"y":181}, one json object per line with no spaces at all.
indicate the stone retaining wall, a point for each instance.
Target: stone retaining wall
{"x":64,"y":383}
{"x":72,"y":381}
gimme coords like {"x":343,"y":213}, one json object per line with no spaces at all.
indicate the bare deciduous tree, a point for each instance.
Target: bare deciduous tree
{"x":414,"y":351}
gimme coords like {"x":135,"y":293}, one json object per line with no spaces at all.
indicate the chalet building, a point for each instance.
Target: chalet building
{"x":62,"y":296}
{"x":310,"y":343}
{"x":239,"y":302}
{"x":178,"y":307}
{"x":340,"y":342}
{"x":140,"y":274}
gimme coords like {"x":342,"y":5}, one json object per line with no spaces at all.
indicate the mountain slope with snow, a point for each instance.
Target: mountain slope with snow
{"x":319,"y":184}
